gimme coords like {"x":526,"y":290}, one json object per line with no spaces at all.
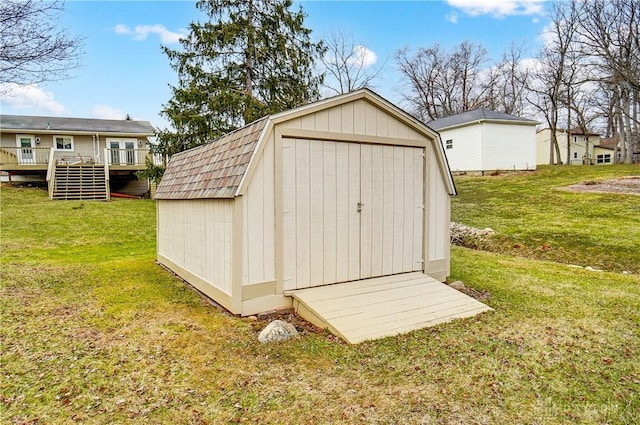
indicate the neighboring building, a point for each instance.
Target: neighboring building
{"x":80,"y":158}
{"x":344,"y":189}
{"x":483,"y":140}
{"x":611,"y":143}
{"x":584,"y":149}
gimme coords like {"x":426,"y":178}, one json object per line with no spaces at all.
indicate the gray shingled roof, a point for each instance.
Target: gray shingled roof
{"x":62,"y":124}
{"x":213,"y":170}
{"x":481,"y":114}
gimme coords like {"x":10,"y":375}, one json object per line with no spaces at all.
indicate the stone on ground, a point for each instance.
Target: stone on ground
{"x":277,"y":330}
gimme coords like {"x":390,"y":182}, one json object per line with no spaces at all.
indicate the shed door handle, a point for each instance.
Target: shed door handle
{"x":360,"y":205}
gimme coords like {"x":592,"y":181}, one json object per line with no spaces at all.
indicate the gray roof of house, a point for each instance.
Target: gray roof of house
{"x":481,"y":114}
{"x":62,"y":124}
{"x":212,"y":170}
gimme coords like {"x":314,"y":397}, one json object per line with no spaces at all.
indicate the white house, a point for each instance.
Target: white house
{"x":483,"y":140}
{"x":348,"y":189}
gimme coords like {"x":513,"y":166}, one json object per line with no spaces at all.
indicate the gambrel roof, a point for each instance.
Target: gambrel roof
{"x":38,"y":124}
{"x":212,"y":170}
{"x":218,"y":169}
{"x":478,"y":115}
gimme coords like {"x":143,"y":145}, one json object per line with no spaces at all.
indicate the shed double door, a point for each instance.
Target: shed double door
{"x":350,"y":211}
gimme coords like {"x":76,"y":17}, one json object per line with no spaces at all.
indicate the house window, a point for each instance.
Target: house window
{"x":449,"y":144}
{"x":604,"y":159}
{"x":63,"y":143}
{"x":575,"y":155}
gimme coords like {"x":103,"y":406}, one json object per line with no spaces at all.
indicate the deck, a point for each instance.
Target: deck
{"x":384,"y":306}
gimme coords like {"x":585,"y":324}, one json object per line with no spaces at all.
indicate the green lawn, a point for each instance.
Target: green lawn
{"x":93,"y":331}
{"x":533,"y":217}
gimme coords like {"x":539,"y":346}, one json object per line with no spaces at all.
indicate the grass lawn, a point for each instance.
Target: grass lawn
{"x":533,"y":217}
{"x":93,"y":331}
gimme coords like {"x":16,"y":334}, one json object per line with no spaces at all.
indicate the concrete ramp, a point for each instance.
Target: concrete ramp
{"x":384,"y":306}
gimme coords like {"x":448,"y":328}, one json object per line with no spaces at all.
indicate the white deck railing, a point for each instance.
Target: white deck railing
{"x":12,"y":155}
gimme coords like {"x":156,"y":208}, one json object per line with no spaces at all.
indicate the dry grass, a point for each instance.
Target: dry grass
{"x":119,"y":340}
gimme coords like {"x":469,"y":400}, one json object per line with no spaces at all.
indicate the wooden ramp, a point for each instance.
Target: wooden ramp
{"x":379,"y":307}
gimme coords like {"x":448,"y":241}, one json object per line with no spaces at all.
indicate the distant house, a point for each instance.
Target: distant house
{"x":80,"y":158}
{"x":612,"y":144}
{"x":483,"y":140}
{"x":583,"y":149}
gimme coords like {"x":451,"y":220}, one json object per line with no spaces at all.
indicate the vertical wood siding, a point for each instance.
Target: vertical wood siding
{"x":259,"y":222}
{"x":358,"y":117}
{"x":325,"y":238}
{"x":196,"y":235}
{"x":438,"y":212}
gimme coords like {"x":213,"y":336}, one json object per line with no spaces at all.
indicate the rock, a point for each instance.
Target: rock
{"x":277,"y":331}
{"x":626,"y":272}
{"x":593,"y":269}
{"x":457,"y":285}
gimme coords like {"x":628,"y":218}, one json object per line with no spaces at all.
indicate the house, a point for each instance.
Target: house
{"x":483,"y":140}
{"x":79,"y":158}
{"x":347,"y":189}
{"x":581,"y":148}
{"x":611,"y":143}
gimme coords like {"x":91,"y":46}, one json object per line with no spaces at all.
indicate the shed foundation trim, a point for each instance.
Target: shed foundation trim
{"x":385,"y":306}
{"x":220,"y":297}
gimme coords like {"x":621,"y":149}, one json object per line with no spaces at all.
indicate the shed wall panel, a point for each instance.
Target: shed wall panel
{"x":258,"y":224}
{"x":357,"y":117}
{"x":196,"y":236}
{"x":438,"y":209}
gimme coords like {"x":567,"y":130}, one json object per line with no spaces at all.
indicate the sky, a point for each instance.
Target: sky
{"x":124,"y":70}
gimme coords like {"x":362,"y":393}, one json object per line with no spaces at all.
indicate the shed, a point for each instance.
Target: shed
{"x":326,"y":193}
{"x":484,"y":140}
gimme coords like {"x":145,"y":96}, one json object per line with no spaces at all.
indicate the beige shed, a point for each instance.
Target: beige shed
{"x":347,"y":189}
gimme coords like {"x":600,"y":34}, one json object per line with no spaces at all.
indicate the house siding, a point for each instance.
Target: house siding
{"x":577,"y":147}
{"x":508,"y":147}
{"x":467,"y":151}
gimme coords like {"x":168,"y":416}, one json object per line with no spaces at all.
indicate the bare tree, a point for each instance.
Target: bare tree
{"x":610,"y":34}
{"x":550,"y":80}
{"x":440,"y":83}
{"x":347,"y":65}
{"x":32,"y":47}
{"x":507,"y":82}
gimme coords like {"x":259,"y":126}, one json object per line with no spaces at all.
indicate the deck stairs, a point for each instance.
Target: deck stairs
{"x":80,"y":182}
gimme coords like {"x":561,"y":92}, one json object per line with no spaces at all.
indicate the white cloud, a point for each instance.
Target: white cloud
{"x":363,"y":57}
{"x":107,"y":113}
{"x":29,"y":97}
{"x":452,"y":17}
{"x":141,"y":32}
{"x":498,"y":8}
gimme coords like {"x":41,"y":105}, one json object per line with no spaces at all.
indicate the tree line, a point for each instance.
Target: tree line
{"x":251,"y":58}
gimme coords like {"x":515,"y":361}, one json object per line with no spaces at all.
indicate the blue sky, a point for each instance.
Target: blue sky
{"x":125,"y":72}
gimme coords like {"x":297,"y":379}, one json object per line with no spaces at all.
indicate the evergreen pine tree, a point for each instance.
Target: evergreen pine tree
{"x":250,"y":59}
